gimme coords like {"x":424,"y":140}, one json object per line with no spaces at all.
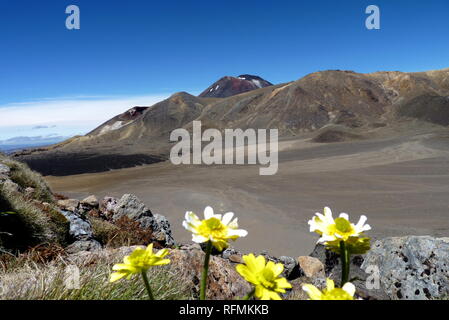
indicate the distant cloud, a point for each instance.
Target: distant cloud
{"x":43,"y":127}
{"x":67,"y":116}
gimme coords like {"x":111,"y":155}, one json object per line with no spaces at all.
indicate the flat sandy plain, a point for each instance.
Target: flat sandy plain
{"x":401,"y":183}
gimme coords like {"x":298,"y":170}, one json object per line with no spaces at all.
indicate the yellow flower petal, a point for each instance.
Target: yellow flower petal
{"x":264,"y":276}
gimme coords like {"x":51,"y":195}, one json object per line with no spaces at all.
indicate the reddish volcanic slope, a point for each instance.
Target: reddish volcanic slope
{"x":231,"y":86}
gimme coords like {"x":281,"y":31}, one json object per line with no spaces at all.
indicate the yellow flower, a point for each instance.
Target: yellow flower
{"x":330,"y":293}
{"x":264,"y":276}
{"x":338,"y":229}
{"x":139,"y":261}
{"x":215,"y":228}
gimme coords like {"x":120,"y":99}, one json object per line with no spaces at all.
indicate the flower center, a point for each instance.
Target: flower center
{"x":343,"y":226}
{"x":213,"y":227}
{"x":266,"y":278}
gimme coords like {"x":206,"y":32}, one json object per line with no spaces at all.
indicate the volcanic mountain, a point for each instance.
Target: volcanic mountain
{"x":231,"y":86}
{"x":328,"y":106}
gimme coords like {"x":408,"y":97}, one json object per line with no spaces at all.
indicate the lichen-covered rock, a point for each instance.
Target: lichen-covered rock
{"x":224,"y":283}
{"x":411,"y":268}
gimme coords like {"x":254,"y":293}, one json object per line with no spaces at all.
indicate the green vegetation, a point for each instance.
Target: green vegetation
{"x":26,"y":178}
{"x":31,"y":225}
{"x":33,"y":222}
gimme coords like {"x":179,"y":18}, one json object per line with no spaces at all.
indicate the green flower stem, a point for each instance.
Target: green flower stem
{"x":249,"y":295}
{"x":345,"y":263}
{"x":205,"y":271}
{"x":147,"y":285}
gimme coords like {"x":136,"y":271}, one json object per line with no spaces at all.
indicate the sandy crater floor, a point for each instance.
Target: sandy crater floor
{"x":401,"y":184}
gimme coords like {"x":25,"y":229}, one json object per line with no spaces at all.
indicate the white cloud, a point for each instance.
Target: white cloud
{"x":66,"y":116}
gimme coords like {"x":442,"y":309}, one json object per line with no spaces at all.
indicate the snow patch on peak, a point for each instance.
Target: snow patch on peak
{"x":115,"y":126}
{"x":257,"y":83}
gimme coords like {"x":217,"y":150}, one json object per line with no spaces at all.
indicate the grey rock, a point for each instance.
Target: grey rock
{"x":160,"y":228}
{"x":291,"y":267}
{"x":130,"y":206}
{"x":4,"y":169}
{"x":83,"y":245}
{"x":80,"y":227}
{"x":412,"y":268}
{"x":332,"y":270}
{"x":228,"y":252}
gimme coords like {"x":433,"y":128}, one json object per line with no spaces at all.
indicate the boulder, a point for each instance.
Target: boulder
{"x":224,"y":283}
{"x":68,"y":204}
{"x":80,"y":227}
{"x":130,"y":206}
{"x":90,"y":201}
{"x":411,"y":268}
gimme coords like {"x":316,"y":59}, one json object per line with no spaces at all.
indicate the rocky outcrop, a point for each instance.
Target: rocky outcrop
{"x":411,"y":268}
{"x":131,"y":207}
{"x":112,"y":210}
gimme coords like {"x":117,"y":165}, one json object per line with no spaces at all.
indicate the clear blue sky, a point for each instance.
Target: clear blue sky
{"x":144,"y":47}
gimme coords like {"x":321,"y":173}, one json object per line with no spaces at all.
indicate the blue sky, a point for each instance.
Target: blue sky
{"x":141,"y":51}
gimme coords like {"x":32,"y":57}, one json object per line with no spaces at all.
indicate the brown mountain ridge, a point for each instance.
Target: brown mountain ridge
{"x":339,"y":105}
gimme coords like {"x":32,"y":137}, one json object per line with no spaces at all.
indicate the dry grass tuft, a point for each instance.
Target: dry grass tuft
{"x":48,"y":281}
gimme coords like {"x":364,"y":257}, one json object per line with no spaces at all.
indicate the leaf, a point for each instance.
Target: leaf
{"x":7,"y":213}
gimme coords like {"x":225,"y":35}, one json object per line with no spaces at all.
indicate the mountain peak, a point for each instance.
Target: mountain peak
{"x":231,"y":86}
